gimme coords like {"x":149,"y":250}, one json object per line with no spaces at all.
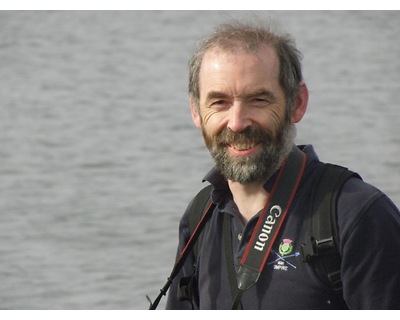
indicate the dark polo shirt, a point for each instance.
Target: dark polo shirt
{"x":369,"y":229}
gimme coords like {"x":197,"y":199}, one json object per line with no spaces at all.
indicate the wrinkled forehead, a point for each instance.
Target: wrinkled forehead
{"x":239,"y":73}
{"x":264,"y":52}
{"x":264,"y":56}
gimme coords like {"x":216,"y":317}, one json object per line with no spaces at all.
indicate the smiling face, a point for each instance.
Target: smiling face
{"x":242,"y":113}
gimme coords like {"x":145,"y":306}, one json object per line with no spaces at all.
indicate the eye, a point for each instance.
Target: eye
{"x":219,"y":104}
{"x":261,"y":102}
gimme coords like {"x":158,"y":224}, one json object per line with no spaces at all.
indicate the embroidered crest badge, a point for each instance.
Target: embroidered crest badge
{"x":281,"y":261}
{"x":286,"y":247}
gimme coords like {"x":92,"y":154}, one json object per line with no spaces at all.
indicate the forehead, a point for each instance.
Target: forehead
{"x":239,"y":68}
{"x":264,"y":57}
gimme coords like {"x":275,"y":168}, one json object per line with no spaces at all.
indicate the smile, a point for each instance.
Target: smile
{"x":243,"y":149}
{"x":243,"y":146}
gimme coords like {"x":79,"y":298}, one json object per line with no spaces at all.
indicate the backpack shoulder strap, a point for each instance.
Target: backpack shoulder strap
{"x":200,"y":203}
{"x":321,"y":249}
{"x":197,"y":210}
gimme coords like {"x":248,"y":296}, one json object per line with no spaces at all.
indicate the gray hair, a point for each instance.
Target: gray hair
{"x":250,"y":37}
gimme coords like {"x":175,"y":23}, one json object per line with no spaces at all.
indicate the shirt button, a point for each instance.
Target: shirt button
{"x":239,"y":236}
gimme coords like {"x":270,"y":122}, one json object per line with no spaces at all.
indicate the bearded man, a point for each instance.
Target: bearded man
{"x":246,"y":95}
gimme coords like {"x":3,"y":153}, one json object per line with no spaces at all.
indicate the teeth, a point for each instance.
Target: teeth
{"x":243,"y":146}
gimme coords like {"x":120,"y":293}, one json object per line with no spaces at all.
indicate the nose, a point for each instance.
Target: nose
{"x":238,"y":118}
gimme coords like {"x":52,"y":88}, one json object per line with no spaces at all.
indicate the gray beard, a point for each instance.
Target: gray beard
{"x":259,"y":167}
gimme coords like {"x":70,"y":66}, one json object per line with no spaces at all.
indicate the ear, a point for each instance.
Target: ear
{"x":195,"y":115}
{"x":301,"y":103}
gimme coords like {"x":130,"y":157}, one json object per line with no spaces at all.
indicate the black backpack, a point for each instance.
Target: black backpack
{"x":321,"y":248}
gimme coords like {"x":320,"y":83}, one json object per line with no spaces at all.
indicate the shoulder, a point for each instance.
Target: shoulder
{"x":195,"y":210}
{"x":361,"y":196}
{"x":361,"y":205}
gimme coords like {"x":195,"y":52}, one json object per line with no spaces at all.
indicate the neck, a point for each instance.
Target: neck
{"x":249,"y":198}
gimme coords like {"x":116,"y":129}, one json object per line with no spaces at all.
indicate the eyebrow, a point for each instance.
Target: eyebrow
{"x":215,"y":95}
{"x":212,"y":95}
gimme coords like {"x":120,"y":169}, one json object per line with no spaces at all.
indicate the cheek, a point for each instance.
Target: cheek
{"x":277,"y":119}
{"x":271,"y":119}
{"x":212,"y":121}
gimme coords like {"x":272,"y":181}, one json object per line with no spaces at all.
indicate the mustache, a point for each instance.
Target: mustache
{"x":249,"y":135}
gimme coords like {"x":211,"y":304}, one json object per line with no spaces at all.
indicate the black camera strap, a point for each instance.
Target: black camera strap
{"x":269,"y":223}
{"x":183,"y":256}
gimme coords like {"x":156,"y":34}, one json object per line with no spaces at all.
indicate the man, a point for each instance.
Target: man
{"x":246,"y":93}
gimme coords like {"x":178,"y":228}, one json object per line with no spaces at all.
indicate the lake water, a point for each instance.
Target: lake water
{"x":99,"y":158}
